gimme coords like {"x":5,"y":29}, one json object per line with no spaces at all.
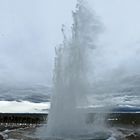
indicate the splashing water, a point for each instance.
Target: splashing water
{"x":67,"y":117}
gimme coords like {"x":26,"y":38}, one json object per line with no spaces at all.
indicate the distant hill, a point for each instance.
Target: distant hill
{"x":127,"y":109}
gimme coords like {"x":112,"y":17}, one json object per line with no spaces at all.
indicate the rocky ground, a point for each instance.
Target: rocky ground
{"x":122,"y":126}
{"x":28,"y":133}
{"x":17,"y":132}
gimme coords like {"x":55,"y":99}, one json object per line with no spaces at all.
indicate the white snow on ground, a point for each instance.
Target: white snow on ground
{"x":93,"y":102}
{"x":23,"y":107}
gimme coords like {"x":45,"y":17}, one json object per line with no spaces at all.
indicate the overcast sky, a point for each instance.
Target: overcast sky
{"x":30,"y":29}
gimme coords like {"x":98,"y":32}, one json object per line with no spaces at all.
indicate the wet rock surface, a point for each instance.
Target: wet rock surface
{"x":17,"y":132}
{"x":1,"y":137}
{"x":22,"y":134}
{"x":134,"y":136}
{"x":29,"y":133}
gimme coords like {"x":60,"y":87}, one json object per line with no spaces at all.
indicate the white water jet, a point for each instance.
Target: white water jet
{"x":71,"y":77}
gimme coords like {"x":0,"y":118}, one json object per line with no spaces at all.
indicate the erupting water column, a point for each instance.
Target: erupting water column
{"x":71,"y":83}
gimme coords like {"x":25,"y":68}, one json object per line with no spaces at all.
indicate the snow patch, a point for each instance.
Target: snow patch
{"x":23,"y":107}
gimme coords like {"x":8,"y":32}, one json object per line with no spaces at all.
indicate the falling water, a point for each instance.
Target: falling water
{"x":71,"y":76}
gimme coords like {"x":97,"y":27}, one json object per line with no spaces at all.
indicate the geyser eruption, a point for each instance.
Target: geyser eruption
{"x":71,"y":78}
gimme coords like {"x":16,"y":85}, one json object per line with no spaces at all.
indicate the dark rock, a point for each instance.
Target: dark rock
{"x":1,"y":137}
{"x":133,"y":136}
